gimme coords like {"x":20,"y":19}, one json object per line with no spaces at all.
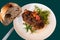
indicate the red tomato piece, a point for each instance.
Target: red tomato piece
{"x":37,"y":17}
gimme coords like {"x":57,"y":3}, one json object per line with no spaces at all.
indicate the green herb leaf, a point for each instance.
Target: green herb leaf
{"x":44,"y":14}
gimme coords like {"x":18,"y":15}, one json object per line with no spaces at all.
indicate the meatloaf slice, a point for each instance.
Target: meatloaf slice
{"x":30,"y":18}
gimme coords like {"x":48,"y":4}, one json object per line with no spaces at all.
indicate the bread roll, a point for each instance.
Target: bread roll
{"x":9,"y":12}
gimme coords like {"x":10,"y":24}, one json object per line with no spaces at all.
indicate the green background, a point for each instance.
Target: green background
{"x":53,"y":4}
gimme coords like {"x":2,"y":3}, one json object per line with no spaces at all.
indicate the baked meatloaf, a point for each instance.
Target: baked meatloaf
{"x":32,"y":18}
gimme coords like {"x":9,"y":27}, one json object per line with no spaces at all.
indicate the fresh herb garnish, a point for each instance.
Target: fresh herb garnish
{"x":28,"y":27}
{"x":44,"y":14}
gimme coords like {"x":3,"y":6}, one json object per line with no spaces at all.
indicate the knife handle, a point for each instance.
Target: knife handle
{"x":8,"y":34}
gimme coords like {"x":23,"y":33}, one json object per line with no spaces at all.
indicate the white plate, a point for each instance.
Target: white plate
{"x":40,"y":34}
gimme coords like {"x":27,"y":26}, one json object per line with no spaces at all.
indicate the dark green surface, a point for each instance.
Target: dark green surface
{"x":53,"y":4}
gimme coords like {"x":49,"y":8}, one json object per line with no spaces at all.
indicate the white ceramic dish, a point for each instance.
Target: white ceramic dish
{"x":40,"y":34}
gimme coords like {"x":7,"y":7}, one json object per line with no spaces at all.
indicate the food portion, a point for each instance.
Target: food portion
{"x":9,"y":12}
{"x":35,"y":19}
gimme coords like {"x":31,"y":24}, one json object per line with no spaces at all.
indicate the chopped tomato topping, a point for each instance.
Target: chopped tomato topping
{"x":37,"y":17}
